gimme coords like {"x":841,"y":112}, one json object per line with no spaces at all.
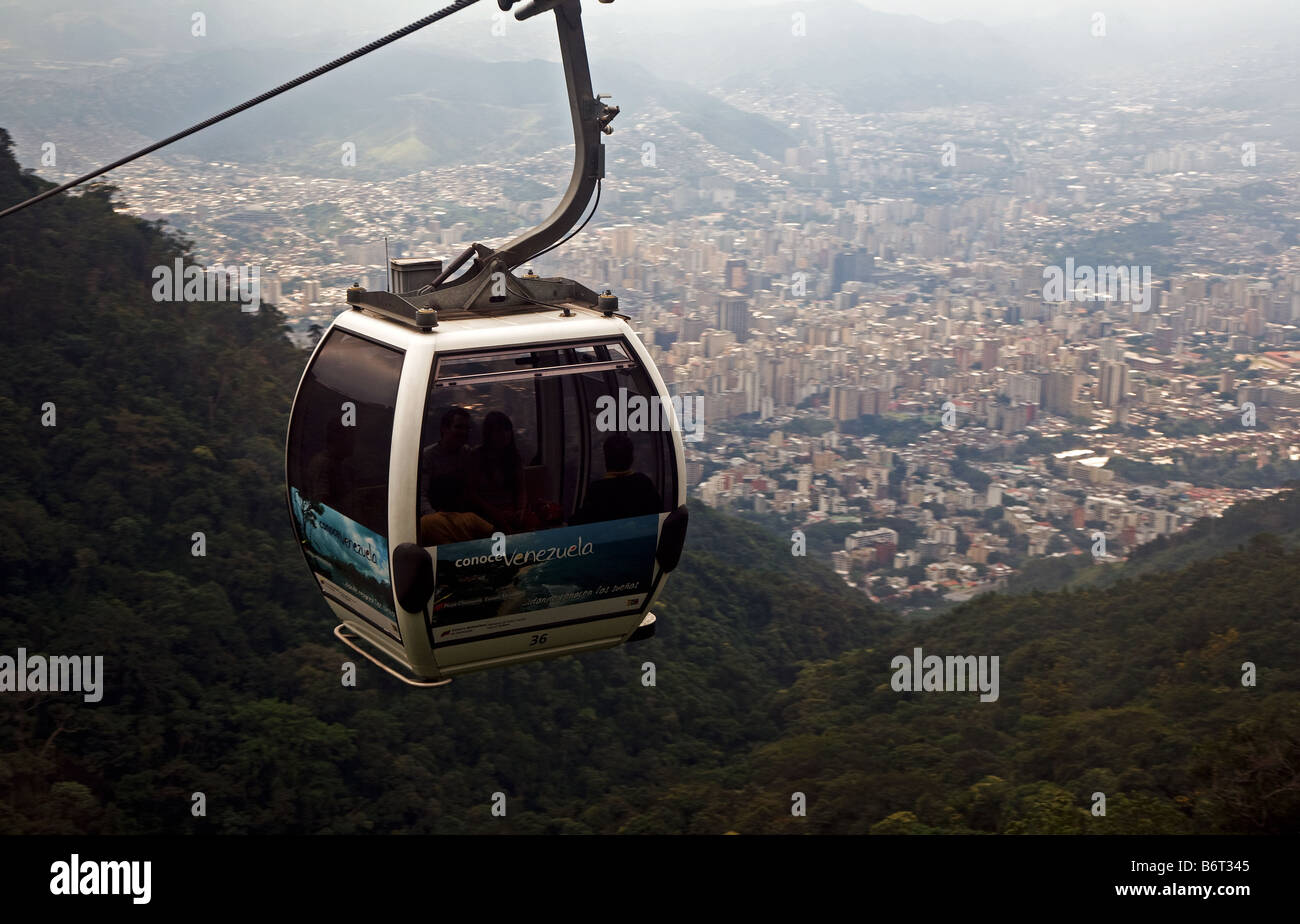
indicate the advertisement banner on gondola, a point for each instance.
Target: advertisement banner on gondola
{"x":483,"y":587}
{"x":350,"y":560}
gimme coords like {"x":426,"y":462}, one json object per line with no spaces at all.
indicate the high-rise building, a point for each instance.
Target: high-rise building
{"x":624,"y":241}
{"x":1023,"y":388}
{"x":733,"y":314}
{"x":717,"y":342}
{"x":692,"y":328}
{"x":1059,"y":391}
{"x":1112,"y":386}
{"x":856,"y":264}
{"x":735,"y":276}
{"x":988,"y":354}
{"x":846,"y":402}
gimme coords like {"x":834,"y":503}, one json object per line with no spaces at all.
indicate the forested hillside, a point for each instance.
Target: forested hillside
{"x":1206,"y":538}
{"x":772,"y":677}
{"x":1134,"y":691}
{"x":222,"y":675}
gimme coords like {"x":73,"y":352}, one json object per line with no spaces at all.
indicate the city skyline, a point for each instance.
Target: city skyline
{"x":871,"y":307}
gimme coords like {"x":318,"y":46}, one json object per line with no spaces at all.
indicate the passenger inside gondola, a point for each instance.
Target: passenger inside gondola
{"x":622,"y":492}
{"x":449,"y":456}
{"x":496,"y":477}
{"x":453,"y":520}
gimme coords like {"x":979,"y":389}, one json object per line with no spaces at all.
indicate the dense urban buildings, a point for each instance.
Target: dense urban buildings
{"x":943,"y":342}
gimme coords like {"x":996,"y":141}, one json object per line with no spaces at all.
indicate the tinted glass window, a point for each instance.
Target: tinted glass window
{"x":468,"y":367}
{"x":343,"y":426}
{"x":628,"y":446}
{"x":525,"y":452}
{"x":482,"y":363}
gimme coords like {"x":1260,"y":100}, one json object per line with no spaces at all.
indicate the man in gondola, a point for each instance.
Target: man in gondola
{"x":622,"y":493}
{"x":447,"y":457}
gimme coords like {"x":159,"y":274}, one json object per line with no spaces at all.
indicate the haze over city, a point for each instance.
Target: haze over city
{"x":800,"y":244}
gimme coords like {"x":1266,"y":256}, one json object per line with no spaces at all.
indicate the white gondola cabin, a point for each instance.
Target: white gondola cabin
{"x":486,"y":468}
{"x":470,"y":496}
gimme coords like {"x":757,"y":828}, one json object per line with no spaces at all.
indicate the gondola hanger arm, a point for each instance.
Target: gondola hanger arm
{"x":591,"y":118}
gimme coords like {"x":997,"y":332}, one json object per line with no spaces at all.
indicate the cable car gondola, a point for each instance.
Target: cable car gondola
{"x":461,"y":486}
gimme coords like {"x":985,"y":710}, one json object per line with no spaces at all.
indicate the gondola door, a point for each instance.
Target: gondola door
{"x":541,"y":512}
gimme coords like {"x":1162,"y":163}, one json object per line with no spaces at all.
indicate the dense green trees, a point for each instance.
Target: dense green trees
{"x":1134,"y":692}
{"x":221,"y":677}
{"x":772,"y":676}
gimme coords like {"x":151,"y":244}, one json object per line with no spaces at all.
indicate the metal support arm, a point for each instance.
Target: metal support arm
{"x":590,"y":117}
{"x":474,"y":289}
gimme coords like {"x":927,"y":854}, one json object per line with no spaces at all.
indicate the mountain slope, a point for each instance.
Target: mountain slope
{"x":406,"y":109}
{"x":772,"y":677}
{"x":1207,"y":538}
{"x":221,"y":675}
{"x":1134,"y":691}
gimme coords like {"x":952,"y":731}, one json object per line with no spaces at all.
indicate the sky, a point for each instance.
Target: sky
{"x":989,"y":12}
{"x":985,"y":10}
{"x":379,"y":14}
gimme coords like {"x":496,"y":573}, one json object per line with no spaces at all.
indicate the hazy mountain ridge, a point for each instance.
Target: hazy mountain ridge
{"x":1134,"y":692}
{"x":405,"y":110}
